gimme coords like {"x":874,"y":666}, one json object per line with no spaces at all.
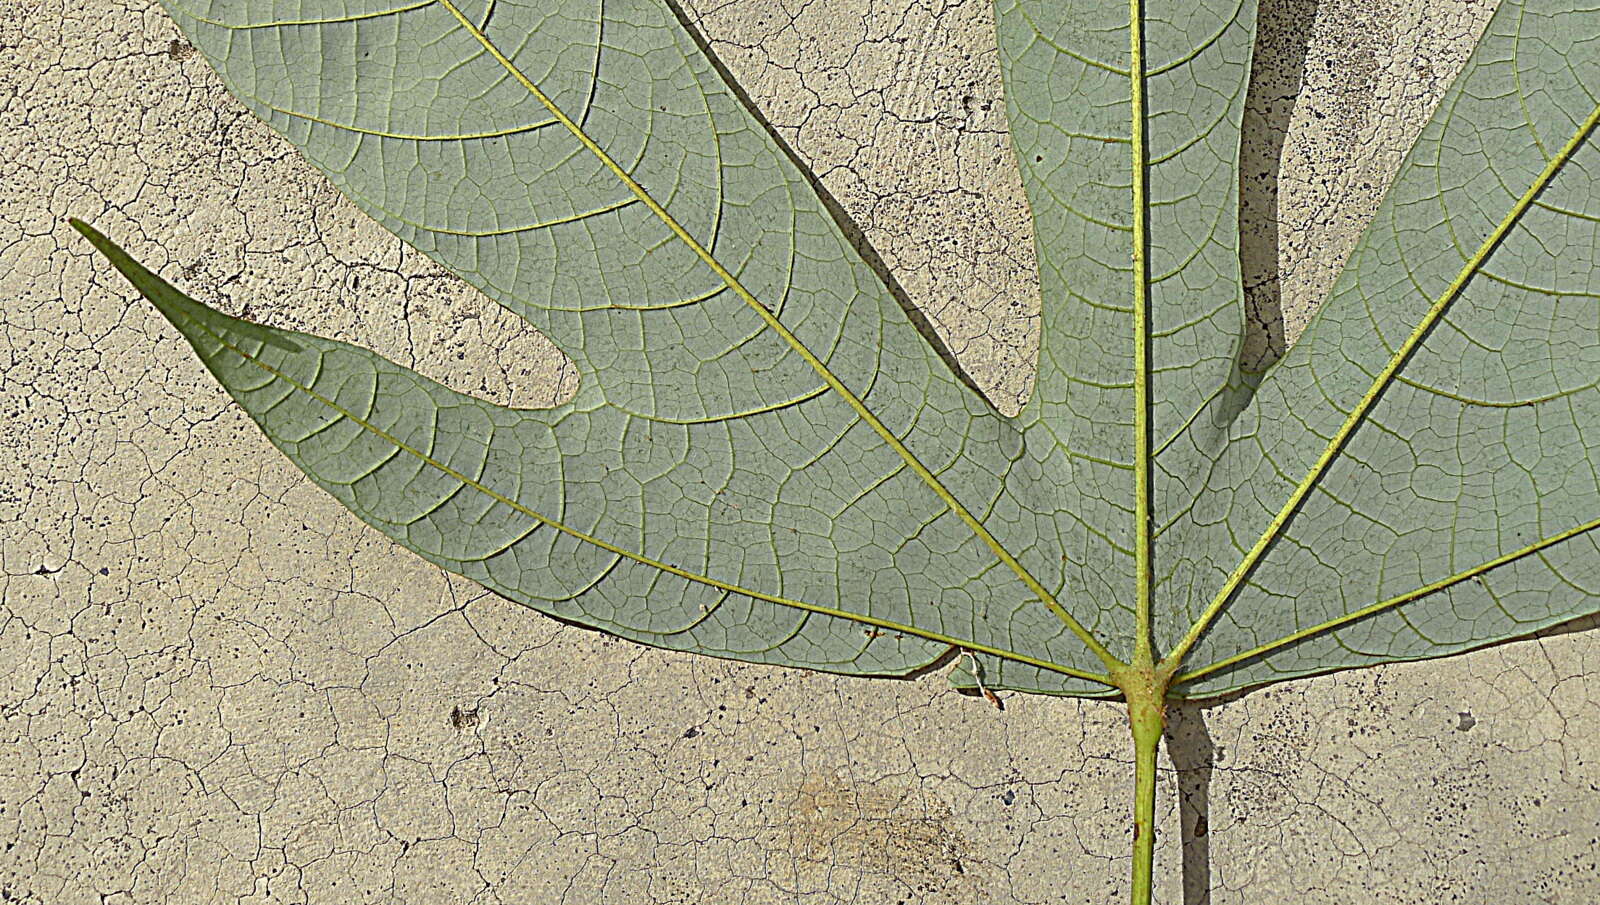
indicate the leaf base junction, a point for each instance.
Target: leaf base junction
{"x":1144,"y":688}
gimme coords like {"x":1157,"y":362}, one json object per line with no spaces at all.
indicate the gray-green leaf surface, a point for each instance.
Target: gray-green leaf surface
{"x":765,"y":460}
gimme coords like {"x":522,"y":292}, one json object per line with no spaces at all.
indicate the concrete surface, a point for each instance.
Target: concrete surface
{"x":220,"y":687}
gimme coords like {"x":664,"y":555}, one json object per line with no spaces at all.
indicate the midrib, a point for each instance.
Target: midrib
{"x":1143,"y":651}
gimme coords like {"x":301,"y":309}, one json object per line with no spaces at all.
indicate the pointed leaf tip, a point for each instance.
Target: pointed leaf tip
{"x":167,"y":299}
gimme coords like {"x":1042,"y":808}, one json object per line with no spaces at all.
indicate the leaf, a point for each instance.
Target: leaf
{"x":765,"y":460}
{"x":1131,"y":468}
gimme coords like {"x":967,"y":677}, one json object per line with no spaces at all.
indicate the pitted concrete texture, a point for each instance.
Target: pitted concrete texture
{"x":220,"y":687}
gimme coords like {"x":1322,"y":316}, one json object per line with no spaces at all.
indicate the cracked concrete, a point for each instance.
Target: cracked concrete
{"x":222,"y":688}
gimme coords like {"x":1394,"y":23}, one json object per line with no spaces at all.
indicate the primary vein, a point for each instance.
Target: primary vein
{"x":1390,"y":371}
{"x":1143,"y":654}
{"x":771,"y":320}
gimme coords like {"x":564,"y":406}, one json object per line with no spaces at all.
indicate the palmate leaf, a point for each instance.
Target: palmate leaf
{"x":765,"y":460}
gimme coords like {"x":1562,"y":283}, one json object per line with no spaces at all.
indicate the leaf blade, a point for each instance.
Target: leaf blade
{"x":1120,"y":114}
{"x":772,"y":323}
{"x":216,"y":337}
{"x":1389,"y":374}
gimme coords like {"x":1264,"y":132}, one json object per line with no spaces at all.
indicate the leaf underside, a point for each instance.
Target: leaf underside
{"x":766,"y":461}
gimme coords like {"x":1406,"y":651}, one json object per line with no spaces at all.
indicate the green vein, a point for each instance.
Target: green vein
{"x":771,"y":320}
{"x":1567,"y":212}
{"x":404,"y":136}
{"x":525,"y":228}
{"x":152,"y":286}
{"x":1491,"y":403}
{"x":1228,"y":22}
{"x":1389,"y":604}
{"x":730,"y":416}
{"x":1359,"y":414}
{"x":1540,"y":290}
{"x":290,"y":23}
{"x":1066,"y":51}
{"x":1143,"y":646}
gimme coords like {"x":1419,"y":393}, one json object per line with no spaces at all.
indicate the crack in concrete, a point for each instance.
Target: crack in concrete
{"x":221,"y":687}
